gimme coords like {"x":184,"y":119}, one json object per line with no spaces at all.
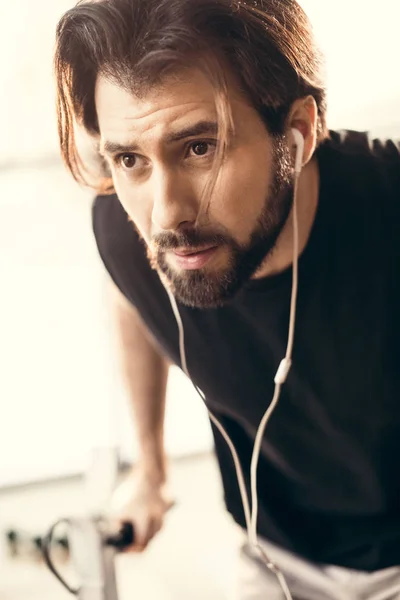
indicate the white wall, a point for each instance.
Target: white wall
{"x":360,"y":40}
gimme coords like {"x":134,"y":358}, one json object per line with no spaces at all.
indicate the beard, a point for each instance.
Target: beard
{"x":203,"y":289}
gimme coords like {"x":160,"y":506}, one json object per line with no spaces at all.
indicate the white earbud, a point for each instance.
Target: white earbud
{"x":298,"y":140}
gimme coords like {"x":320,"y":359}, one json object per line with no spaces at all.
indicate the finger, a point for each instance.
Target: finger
{"x":133,"y":549}
{"x":153,"y":524}
{"x":154,"y":527}
{"x":171,"y":503}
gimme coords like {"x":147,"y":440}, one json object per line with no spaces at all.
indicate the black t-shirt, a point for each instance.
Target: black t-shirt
{"x":329,"y":469}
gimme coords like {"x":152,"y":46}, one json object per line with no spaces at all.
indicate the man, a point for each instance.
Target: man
{"x":193,"y":105}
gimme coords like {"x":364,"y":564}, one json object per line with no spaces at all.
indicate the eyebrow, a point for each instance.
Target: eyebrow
{"x":200,"y":128}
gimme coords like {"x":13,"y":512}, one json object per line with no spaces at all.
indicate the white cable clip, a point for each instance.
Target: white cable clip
{"x":283,"y":371}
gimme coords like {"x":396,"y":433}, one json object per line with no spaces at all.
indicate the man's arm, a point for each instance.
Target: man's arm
{"x":142,"y":498}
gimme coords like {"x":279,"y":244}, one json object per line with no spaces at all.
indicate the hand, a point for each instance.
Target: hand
{"x":143,"y":501}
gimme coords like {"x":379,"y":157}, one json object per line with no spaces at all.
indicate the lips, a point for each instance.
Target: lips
{"x":190,"y":260}
{"x":190,"y":251}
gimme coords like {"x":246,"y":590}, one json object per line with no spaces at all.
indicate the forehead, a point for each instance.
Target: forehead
{"x":189,"y":95}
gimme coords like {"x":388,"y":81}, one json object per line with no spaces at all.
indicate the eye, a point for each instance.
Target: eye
{"x":201,"y":148}
{"x":127,"y":161}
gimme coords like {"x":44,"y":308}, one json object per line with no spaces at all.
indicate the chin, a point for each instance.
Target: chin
{"x":200,"y":289}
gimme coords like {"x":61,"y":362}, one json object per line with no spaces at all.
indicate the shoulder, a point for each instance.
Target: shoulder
{"x":124,"y":255}
{"x":363,"y":156}
{"x":111,"y":225}
{"x":122,"y":250}
{"x":360,"y":183}
{"x":362,"y":143}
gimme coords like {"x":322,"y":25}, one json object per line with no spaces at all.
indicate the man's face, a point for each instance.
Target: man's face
{"x":161,"y":149}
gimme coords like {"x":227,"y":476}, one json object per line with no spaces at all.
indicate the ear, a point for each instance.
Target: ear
{"x":304,"y":117}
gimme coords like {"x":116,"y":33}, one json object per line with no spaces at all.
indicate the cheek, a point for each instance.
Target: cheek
{"x":241,"y":192}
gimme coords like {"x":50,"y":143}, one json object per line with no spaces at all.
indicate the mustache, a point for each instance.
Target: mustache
{"x":191,"y":238}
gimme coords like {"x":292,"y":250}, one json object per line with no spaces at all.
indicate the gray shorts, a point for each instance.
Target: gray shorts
{"x":309,"y":581}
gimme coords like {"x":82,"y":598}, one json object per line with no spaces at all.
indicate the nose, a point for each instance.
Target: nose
{"x":174,"y":202}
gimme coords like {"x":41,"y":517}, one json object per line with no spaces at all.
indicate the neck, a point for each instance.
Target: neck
{"x":307,"y":203}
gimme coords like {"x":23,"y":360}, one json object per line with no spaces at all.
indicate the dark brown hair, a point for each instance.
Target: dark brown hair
{"x":268,"y":45}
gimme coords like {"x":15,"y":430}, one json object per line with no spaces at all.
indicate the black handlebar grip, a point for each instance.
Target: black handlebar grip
{"x":123,"y":539}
